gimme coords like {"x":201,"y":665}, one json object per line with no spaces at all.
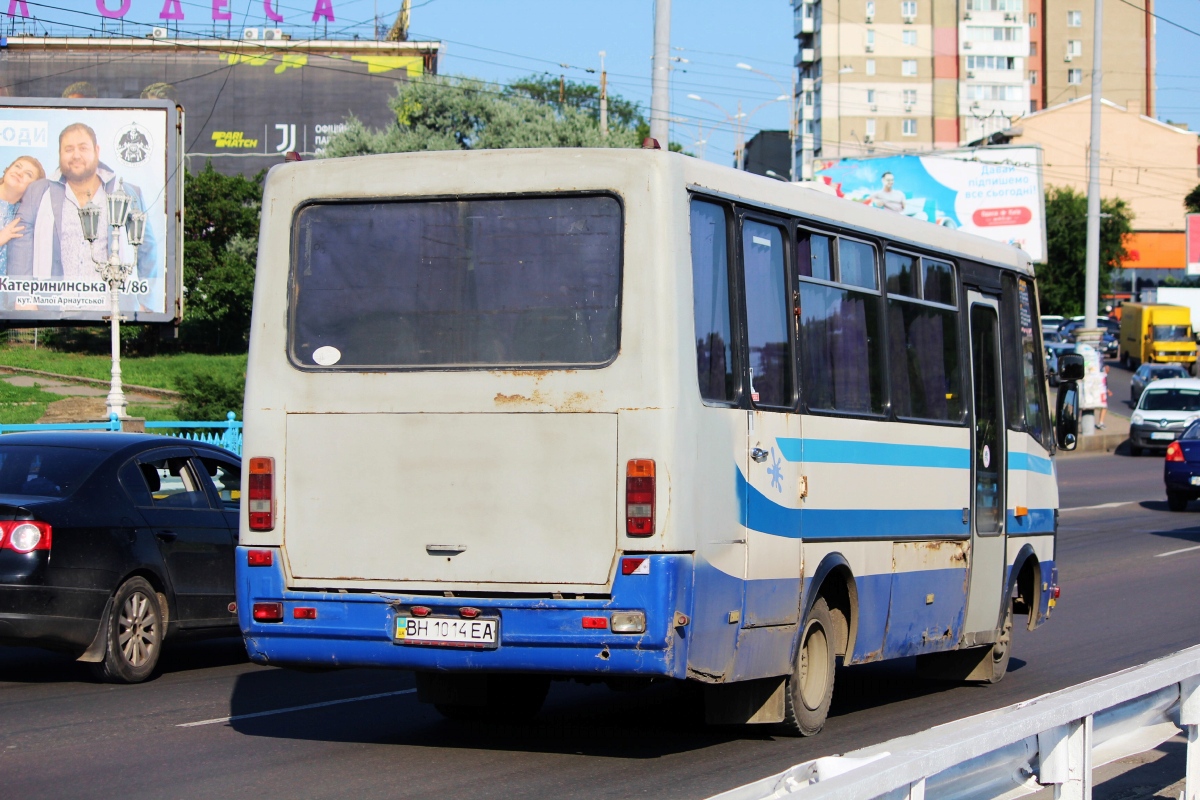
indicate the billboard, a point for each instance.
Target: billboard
{"x":1192,"y":228}
{"x":60,"y":155}
{"x":247,"y":102}
{"x":994,"y":192}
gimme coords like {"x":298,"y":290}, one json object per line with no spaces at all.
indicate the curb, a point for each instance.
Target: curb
{"x":150,"y":390}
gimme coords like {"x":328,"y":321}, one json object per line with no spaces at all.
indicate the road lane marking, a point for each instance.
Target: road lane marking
{"x":1102,"y":505}
{"x":1177,"y":552}
{"x":218,"y":720}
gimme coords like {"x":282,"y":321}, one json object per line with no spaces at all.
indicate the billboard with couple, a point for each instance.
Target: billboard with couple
{"x":60,"y":156}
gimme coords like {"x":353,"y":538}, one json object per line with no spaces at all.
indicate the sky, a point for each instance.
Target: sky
{"x":502,"y":40}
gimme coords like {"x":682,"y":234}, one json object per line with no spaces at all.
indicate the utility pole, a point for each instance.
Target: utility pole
{"x":1091,"y":286}
{"x":603,"y":99}
{"x":741,"y":145}
{"x":660,"y":95}
{"x":562,"y":90}
{"x":793,"y":127}
{"x":1091,"y":292}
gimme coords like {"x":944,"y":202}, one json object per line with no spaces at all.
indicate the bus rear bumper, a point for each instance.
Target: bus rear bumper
{"x":537,"y":634}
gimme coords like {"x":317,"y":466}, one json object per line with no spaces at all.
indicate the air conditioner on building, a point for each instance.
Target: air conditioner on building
{"x":910,"y":20}
{"x":158,"y":33}
{"x":250,"y":33}
{"x":966,"y":45}
{"x":273,"y":34}
{"x":868,"y":139}
{"x":870,"y":17}
{"x":874,"y":108}
{"x":1010,"y":17}
{"x":1067,"y":58}
{"x":967,"y":16}
{"x":970,"y":74}
{"x":908,"y":109}
{"x":870,"y":48}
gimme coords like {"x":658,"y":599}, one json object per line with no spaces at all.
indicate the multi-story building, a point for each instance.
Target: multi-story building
{"x":880,"y":76}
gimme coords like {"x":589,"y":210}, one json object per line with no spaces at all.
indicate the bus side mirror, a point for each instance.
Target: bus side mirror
{"x":1070,"y":367}
{"x":1066,"y":416}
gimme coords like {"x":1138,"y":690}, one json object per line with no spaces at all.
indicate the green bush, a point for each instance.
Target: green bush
{"x":209,"y":397}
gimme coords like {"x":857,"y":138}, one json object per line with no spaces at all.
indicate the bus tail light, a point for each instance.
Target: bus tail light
{"x":24,"y":535}
{"x":259,"y":558}
{"x":1174,"y":452}
{"x":262,"y":494}
{"x":267,"y":612}
{"x":639,"y":497}
{"x":629,"y":622}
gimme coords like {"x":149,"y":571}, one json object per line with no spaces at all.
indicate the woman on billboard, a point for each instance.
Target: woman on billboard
{"x":15,"y":180}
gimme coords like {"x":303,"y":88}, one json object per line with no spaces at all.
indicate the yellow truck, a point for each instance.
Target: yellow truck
{"x":1156,"y":334}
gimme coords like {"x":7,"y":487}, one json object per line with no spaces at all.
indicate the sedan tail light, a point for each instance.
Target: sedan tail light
{"x":24,"y":535}
{"x":262,"y":494}
{"x":1174,"y":452}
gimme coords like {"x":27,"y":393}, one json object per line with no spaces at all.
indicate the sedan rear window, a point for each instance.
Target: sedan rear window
{"x":1171,"y":400}
{"x":41,"y":471}
{"x":527,"y":281}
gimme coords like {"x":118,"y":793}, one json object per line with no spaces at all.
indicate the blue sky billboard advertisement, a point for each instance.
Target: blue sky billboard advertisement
{"x":58,"y":156}
{"x":993,"y":192}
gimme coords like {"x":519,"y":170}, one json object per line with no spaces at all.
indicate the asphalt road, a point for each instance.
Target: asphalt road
{"x":61,"y":735}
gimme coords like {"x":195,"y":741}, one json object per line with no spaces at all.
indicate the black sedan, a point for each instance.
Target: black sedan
{"x":1181,"y":469}
{"x":111,"y":543}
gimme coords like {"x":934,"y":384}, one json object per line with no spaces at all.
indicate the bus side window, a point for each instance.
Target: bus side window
{"x":923,"y":338}
{"x":1032,"y":366}
{"x":764,"y":271}
{"x":710,"y":303}
{"x":840,"y":341}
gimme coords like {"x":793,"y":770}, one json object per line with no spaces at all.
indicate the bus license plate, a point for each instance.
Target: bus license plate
{"x":1163,"y":435}
{"x":448,"y":632}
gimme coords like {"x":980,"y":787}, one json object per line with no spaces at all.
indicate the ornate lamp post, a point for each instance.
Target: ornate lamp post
{"x":114,"y":272}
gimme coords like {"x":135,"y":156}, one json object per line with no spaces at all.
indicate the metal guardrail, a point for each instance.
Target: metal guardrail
{"x":227,"y":434}
{"x":1053,"y":740}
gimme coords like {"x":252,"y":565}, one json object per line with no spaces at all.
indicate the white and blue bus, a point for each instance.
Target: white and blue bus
{"x":515,"y":416}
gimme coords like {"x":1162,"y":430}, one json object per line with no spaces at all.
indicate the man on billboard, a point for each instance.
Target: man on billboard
{"x":889,"y":196}
{"x":50,"y":209}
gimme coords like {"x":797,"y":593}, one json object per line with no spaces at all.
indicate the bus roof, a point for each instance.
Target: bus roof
{"x":467,"y":169}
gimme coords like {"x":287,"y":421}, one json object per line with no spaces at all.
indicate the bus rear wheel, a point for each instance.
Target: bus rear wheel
{"x":809,"y":689}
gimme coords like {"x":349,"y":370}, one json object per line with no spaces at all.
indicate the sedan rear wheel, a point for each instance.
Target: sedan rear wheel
{"x":1177,"y":501}
{"x":134,"y":631}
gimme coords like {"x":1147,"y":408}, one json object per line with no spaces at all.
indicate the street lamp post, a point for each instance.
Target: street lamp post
{"x":738,"y":121}
{"x":114,"y":272}
{"x":793,"y":121}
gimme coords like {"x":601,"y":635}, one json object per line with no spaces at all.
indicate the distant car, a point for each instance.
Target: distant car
{"x":111,"y":543}
{"x":1051,"y":337}
{"x":1181,"y":469}
{"x":1051,"y":322}
{"x":1164,"y":410}
{"x":1146,"y":374}
{"x":1054,"y":351}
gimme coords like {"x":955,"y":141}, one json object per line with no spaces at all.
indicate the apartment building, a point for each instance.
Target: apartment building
{"x":884,"y":76}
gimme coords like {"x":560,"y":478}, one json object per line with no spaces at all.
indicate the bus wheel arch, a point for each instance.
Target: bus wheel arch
{"x":1025,"y":587}
{"x":833,"y":580}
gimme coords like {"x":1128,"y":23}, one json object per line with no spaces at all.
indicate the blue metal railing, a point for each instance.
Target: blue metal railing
{"x":227,"y":434}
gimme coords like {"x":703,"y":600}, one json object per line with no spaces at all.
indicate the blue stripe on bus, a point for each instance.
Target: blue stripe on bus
{"x":1030,"y":462}
{"x":1038,"y":520}
{"x":761,"y":513}
{"x":886,"y":454}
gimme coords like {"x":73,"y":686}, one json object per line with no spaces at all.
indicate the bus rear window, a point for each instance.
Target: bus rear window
{"x":515,"y":282}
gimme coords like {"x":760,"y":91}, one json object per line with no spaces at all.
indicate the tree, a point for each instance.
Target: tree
{"x":1192,"y":201}
{"x":220,"y":250}
{"x":583,"y":97}
{"x":1061,"y":278}
{"x":454,"y":113}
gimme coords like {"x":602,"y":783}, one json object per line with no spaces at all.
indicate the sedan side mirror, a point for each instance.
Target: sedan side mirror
{"x":1066,"y":416}
{"x":1070,"y":367}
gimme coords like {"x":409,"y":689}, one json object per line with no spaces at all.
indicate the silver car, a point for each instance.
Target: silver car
{"x":1165,"y":409}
